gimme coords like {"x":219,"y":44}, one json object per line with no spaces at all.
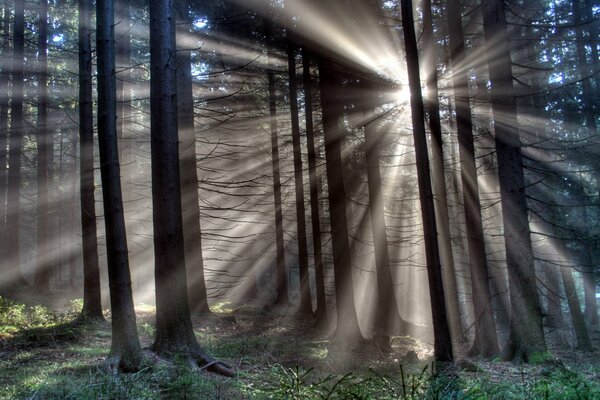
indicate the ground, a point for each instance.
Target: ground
{"x":276,"y":356}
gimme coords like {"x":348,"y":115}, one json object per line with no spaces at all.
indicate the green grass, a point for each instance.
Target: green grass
{"x":41,"y":357}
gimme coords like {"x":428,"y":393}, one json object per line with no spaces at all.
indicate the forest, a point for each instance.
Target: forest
{"x":299,"y":199}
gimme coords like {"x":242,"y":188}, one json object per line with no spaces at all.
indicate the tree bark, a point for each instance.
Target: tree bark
{"x":347,"y":329}
{"x":92,"y":304}
{"x":305,"y":307}
{"x":526,"y":331}
{"x":17,"y":130}
{"x":439,"y":177}
{"x":43,"y":262}
{"x":174,"y":333}
{"x":190,"y":207}
{"x":4,"y":98}
{"x":281,"y":279}
{"x":321,"y":312}
{"x":442,"y":339}
{"x":125,"y":350}
{"x":486,"y":341}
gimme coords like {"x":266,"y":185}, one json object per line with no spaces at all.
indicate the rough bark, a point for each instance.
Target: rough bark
{"x":441,"y":331}
{"x":125,"y":346}
{"x":92,"y":304}
{"x":526,"y":331}
{"x":305,"y":300}
{"x":583,"y":339}
{"x":174,"y":333}
{"x":486,"y":341}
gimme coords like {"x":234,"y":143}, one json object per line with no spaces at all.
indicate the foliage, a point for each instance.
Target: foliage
{"x":15,"y":317}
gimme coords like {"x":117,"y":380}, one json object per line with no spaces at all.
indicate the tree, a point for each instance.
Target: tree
{"x":15,"y":144}
{"x":347,"y":329}
{"x":192,"y":233}
{"x":305,"y":302}
{"x":432,"y":107}
{"x":526,"y":331}
{"x":486,"y":342}
{"x":281,"y":279}
{"x":321,"y":312}
{"x":125,"y":352}
{"x":174,"y":333}
{"x":442,"y":340}
{"x":43,"y":261}
{"x":92,"y":304}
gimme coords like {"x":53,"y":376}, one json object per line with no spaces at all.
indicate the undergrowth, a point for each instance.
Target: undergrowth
{"x":270,"y":367}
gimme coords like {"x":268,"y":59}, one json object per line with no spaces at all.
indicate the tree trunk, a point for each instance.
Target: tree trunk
{"x":43,"y":263}
{"x":526,"y":331}
{"x":442,"y":339}
{"x":174,"y":333}
{"x":439,"y":177}
{"x":4,"y":79}
{"x":321,"y":312}
{"x":92,"y":304}
{"x":333,"y":126}
{"x":305,"y":307}
{"x":190,"y":206}
{"x":17,"y":130}
{"x":125,"y":347}
{"x":281,"y":279}
{"x":486,"y":341}
{"x":583,"y":339}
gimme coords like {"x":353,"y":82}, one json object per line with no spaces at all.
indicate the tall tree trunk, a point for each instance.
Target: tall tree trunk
{"x":281,"y":279}
{"x":5,"y":68}
{"x":333,"y":126}
{"x":439,"y":176}
{"x":43,"y":256}
{"x":174,"y":333}
{"x":585,"y":68}
{"x":441,"y":331}
{"x":386,"y":312}
{"x":321,"y":312}
{"x":190,"y":206}
{"x":17,"y":127}
{"x":526,"y":331}
{"x":125,"y":350}
{"x":92,"y":304}
{"x":583,"y":339}
{"x":305,"y":300}
{"x":486,"y":341}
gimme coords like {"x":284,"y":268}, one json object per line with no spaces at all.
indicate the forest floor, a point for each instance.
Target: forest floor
{"x":276,"y":356}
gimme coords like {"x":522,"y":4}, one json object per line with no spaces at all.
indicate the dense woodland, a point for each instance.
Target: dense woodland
{"x":363,"y":170}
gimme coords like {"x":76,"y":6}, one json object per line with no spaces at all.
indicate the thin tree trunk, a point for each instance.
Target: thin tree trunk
{"x":321,"y":312}
{"x":92,"y":304}
{"x":281,"y":279}
{"x":439,"y":177}
{"x":190,"y":206}
{"x":305,"y":300}
{"x":486,"y":341}
{"x":526,"y":331}
{"x":347,"y":329}
{"x":583,"y":339}
{"x":125,"y":347}
{"x":17,"y":127}
{"x":4,"y":78}
{"x":442,"y":339}
{"x":174,"y":333}
{"x":43,"y":256}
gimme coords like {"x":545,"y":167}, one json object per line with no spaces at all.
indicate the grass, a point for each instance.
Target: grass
{"x":41,"y":357}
